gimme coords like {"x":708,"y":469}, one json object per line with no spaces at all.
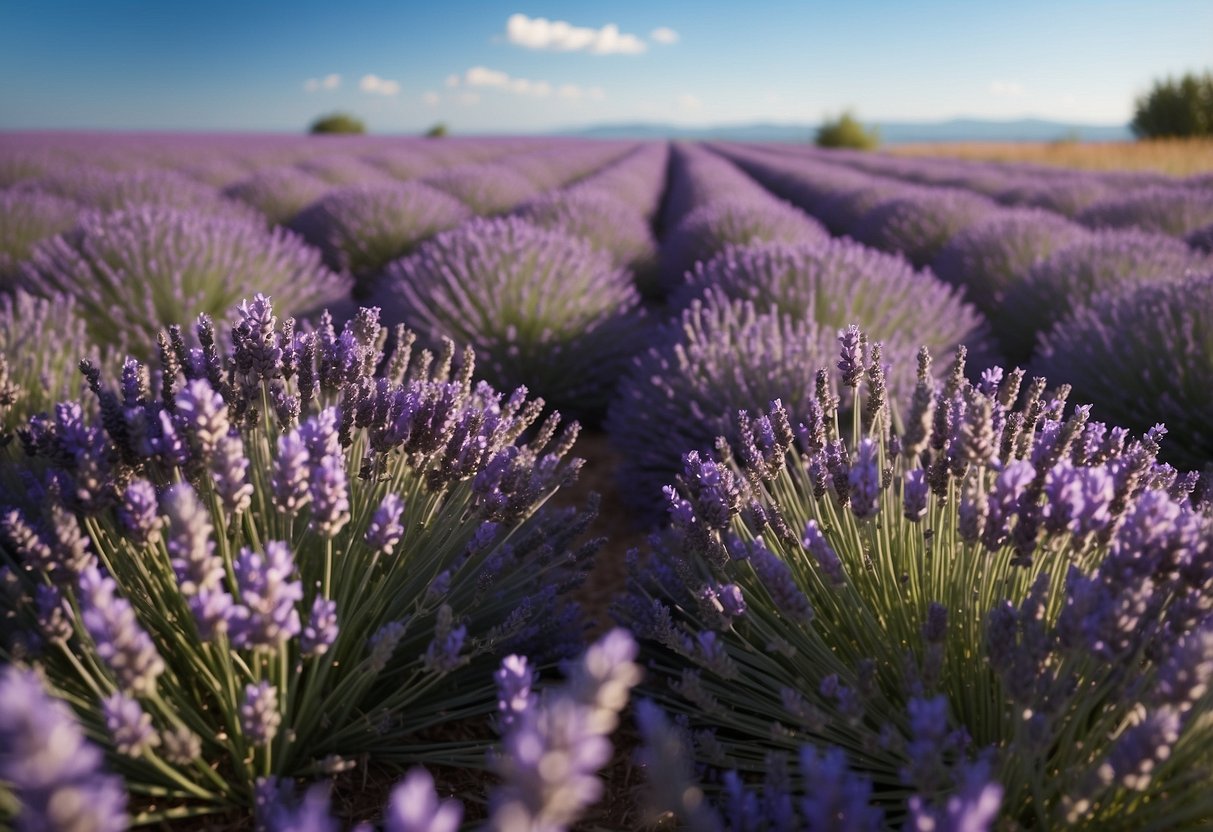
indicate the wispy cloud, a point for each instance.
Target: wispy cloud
{"x":481,"y":77}
{"x":430,"y":98}
{"x":328,"y":82}
{"x":664,"y":35}
{"x":689,"y":102}
{"x":562,"y":36}
{"x":378,"y":86}
{"x":1006,"y":89}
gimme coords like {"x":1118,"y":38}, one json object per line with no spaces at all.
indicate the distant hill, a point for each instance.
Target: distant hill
{"x":891,"y":132}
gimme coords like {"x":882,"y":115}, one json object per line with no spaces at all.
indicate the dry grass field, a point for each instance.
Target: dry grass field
{"x":1175,"y":157}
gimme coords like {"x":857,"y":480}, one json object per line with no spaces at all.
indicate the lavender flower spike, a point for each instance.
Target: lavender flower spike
{"x":259,"y":716}
{"x":121,"y":642}
{"x":414,"y":806}
{"x":129,"y":725}
{"x":268,"y":597}
{"x":51,"y":769}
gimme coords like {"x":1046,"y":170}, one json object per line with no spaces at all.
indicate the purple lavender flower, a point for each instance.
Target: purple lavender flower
{"x":385,"y":529}
{"x":599,"y":217}
{"x":52,"y":770}
{"x":27,"y":217}
{"x":229,"y":473}
{"x":135,"y":271}
{"x":129,"y":726}
{"x":120,"y":641}
{"x":139,"y":513}
{"x":540,"y":308}
{"x":514,"y":680}
{"x":202,"y":416}
{"x":328,"y":487}
{"x":864,"y":480}
{"x":974,"y":808}
{"x":321,"y":629}
{"x":919,"y":225}
{"x":915,"y":491}
{"x":278,"y":193}
{"x":442,"y":656}
{"x":839,"y":799}
{"x":414,"y":806}
{"x":189,"y":541}
{"x":268,"y":598}
{"x":259,"y":715}
{"x":486,"y":189}
{"x":821,"y":550}
{"x":289,"y":480}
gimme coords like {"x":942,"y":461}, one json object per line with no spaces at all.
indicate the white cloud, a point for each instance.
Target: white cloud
{"x":452,"y":80}
{"x":469,"y":98}
{"x":378,"y":86}
{"x":686,"y":101}
{"x":1006,"y":89}
{"x":562,"y":36}
{"x":430,"y":98}
{"x":328,"y":82}
{"x":481,"y":77}
{"x":663,"y":35}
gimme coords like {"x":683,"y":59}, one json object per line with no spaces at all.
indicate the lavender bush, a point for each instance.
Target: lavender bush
{"x":598,"y":217}
{"x":840,"y":282}
{"x":360,"y":229}
{"x":1202,"y":238}
{"x":709,"y":229}
{"x":919,"y":226}
{"x":998,"y":615}
{"x":485,"y":188}
{"x":1163,"y":209}
{"x":540,"y":308}
{"x":719,"y":357}
{"x":1143,"y":355}
{"x":27,"y":218}
{"x":278,"y":193}
{"x":133,"y":272}
{"x":107,"y":191}
{"x":988,"y":258}
{"x":288,"y":559}
{"x":1076,"y":273}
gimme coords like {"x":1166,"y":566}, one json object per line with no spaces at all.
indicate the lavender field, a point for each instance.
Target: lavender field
{"x":532,"y":484}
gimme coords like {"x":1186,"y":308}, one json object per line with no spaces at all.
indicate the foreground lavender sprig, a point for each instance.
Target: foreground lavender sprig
{"x":947,"y":613}
{"x":287,"y":558}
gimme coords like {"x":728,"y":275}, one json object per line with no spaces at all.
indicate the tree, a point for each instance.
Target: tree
{"x":846,"y":131}
{"x":438,"y":131}
{"x":337,"y":123}
{"x":1173,"y":109}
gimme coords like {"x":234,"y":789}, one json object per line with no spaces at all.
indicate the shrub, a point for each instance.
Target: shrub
{"x":934,"y":620}
{"x":486,"y":188}
{"x":113,"y":191}
{"x":989,"y":257}
{"x":1143,"y":355}
{"x":1166,"y":210}
{"x":337,"y":123}
{"x":719,"y":357}
{"x":278,"y":193}
{"x":1069,"y":196}
{"x":42,"y":341}
{"x":1176,"y":109}
{"x":846,"y":131}
{"x":709,"y":229}
{"x":1076,"y":273}
{"x":541,"y":308}
{"x":26,"y":218}
{"x":918,"y":226}
{"x":295,"y":556}
{"x":360,"y":229}
{"x":437,"y":131}
{"x":1202,"y":238}
{"x":599,"y":218}
{"x":133,"y":272}
{"x":839,"y":283}
{"x":342,"y":169}
{"x":843,"y":209}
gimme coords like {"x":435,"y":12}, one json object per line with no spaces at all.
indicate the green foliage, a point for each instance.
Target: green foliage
{"x":337,"y":123}
{"x":438,"y":131}
{"x":846,"y":131}
{"x":1176,"y":109}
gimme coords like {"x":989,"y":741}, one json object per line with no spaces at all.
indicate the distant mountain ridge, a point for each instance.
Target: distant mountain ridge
{"x":891,"y":132}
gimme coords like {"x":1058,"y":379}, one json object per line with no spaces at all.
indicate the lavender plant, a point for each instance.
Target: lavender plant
{"x":1143,"y":355}
{"x":277,"y":193}
{"x":360,"y":229}
{"x":27,"y":218}
{"x":485,"y":188}
{"x":540,"y":307}
{"x":1076,"y":273}
{"x":918,"y":226}
{"x":998,"y":609}
{"x":1201,"y":238}
{"x":988,"y":258}
{"x":134,"y":272}
{"x":598,"y":217}
{"x":840,"y":282}
{"x":719,"y":357}
{"x":107,"y":191}
{"x":1163,"y":209}
{"x":289,"y":559}
{"x":709,"y":229}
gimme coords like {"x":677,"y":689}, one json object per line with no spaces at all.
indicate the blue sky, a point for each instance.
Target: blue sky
{"x":511,"y":66}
